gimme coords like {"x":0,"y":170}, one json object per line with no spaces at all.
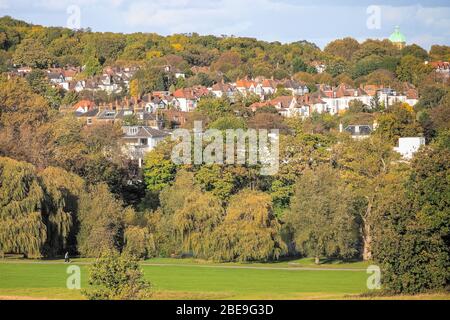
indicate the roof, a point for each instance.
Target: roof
{"x":397,"y":36}
{"x":84,"y":104}
{"x":132,"y":132}
{"x":191,"y":93}
{"x":90,"y":113}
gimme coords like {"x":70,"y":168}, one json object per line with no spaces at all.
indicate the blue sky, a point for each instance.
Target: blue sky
{"x":319,"y":21}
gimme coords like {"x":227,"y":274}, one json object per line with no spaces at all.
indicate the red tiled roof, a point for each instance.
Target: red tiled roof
{"x":84,"y":104}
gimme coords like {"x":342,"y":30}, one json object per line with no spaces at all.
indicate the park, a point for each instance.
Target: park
{"x":188,"y":279}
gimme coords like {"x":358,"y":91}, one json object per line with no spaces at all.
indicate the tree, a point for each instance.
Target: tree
{"x":159,"y":169}
{"x":22,"y":229}
{"x":415,"y":51}
{"x":40,"y":85}
{"x":399,"y":121}
{"x":117,"y":277}
{"x":344,"y":48}
{"x":412,"y":69}
{"x":196,"y":220}
{"x":101,"y":222}
{"x":37,"y":210}
{"x":411,"y":242}
{"x":375,"y":104}
{"x":92,"y":66}
{"x":320,"y":217}
{"x":139,"y":242}
{"x":30,"y":52}
{"x":249,"y":231}
{"x":365,"y":166}
{"x":299,"y":65}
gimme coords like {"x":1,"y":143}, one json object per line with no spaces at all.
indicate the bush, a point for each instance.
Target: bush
{"x":117,"y":277}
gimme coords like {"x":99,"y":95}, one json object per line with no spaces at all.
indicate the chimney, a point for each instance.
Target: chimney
{"x":127,"y":102}
{"x":111,"y":106}
{"x":117,"y":105}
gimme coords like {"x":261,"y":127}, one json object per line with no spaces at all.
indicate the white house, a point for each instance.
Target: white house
{"x":407,"y":147}
{"x":138,"y":140}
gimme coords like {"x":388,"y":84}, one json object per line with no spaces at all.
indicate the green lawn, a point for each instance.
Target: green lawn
{"x":190,"y":280}
{"x":194,"y":279}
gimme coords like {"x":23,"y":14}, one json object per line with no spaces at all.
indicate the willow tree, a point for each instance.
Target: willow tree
{"x":22,"y":229}
{"x":36,"y":209}
{"x":200,"y":215}
{"x":60,"y":208}
{"x":250,"y":230}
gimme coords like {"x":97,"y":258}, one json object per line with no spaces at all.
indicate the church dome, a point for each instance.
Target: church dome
{"x":397,"y":36}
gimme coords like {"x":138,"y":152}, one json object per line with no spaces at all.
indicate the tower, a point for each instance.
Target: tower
{"x":398,"y":38}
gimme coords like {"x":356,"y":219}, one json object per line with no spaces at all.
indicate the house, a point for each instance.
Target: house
{"x":441,"y":67}
{"x":177,"y":72}
{"x":24,"y":70}
{"x":407,"y":147}
{"x":222,"y":89}
{"x":319,"y":66}
{"x":87,"y":117}
{"x":246,"y":87}
{"x":186,"y":99}
{"x":390,"y":96}
{"x":338,"y":98}
{"x":297,"y":88}
{"x":174,"y":118}
{"x":269,"y":86}
{"x":55,"y":77}
{"x":138,"y":140}
{"x":84,"y":106}
{"x":358,"y":131}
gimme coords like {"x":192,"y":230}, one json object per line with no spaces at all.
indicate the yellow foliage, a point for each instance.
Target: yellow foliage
{"x":153,"y":54}
{"x":178,"y":47}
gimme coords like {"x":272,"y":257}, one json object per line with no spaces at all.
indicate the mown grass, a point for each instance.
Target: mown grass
{"x":48,"y":280}
{"x":194,"y":279}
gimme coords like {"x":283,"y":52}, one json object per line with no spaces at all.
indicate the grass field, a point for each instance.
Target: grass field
{"x":191,"y":279}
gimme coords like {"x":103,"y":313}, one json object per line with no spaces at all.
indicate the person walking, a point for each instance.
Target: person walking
{"x":66,"y":257}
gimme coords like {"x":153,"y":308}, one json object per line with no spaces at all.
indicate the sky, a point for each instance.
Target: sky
{"x":319,"y":21}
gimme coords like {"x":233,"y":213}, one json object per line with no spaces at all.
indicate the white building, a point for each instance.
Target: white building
{"x":138,"y":140}
{"x":407,"y":147}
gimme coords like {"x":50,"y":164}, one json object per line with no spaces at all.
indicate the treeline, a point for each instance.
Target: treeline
{"x":226,"y":58}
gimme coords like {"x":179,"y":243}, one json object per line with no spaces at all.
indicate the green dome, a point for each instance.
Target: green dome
{"x":397,"y":36}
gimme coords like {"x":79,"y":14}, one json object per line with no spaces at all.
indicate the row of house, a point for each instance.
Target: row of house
{"x":336,"y":100}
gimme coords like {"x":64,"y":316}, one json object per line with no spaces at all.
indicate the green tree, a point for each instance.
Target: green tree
{"x":101,"y":218}
{"x":30,"y":52}
{"x":321,"y":217}
{"x":412,"y":243}
{"x":196,"y":220}
{"x":365,"y":165}
{"x":412,"y":69}
{"x":159,"y":169}
{"x":250,"y":231}
{"x":117,"y":277}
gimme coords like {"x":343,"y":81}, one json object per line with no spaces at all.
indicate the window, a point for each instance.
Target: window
{"x":144,"y":142}
{"x":89,"y":121}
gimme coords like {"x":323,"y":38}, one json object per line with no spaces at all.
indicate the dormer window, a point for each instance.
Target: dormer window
{"x":133,"y":131}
